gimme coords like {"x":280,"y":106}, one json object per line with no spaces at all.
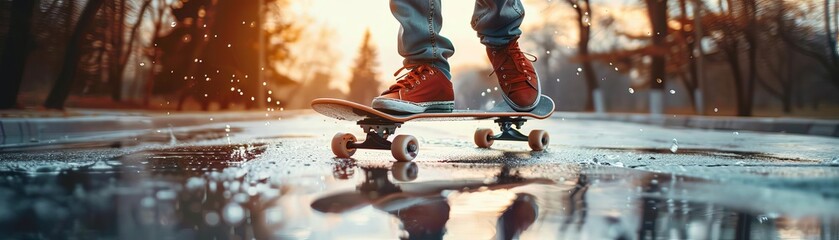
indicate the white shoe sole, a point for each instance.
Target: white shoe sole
{"x":391,"y":105}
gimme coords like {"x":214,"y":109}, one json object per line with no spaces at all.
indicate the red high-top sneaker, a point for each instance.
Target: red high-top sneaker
{"x":516,"y":76}
{"x":423,"y":89}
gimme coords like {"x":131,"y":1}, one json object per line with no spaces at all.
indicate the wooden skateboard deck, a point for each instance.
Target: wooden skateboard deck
{"x":351,"y":111}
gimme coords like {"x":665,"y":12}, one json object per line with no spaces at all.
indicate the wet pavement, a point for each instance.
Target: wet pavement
{"x":279,"y":180}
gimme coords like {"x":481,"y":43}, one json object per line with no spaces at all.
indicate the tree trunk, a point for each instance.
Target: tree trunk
{"x":158,"y":25}
{"x":115,"y":66}
{"x":657,"y":11}
{"x":582,"y":50}
{"x":66,"y":77}
{"x":831,"y":41}
{"x":125,"y":53}
{"x":750,"y":10}
{"x":690,"y":82}
{"x":13,"y":61}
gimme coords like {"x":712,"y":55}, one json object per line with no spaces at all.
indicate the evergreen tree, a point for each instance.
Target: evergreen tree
{"x":364,"y":85}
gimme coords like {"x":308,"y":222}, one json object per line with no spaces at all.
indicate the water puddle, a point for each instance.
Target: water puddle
{"x":208,"y":192}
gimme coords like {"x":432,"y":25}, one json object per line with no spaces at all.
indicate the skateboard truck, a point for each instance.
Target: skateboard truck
{"x":507,"y":131}
{"x":403,"y":147}
{"x":537,"y":139}
{"x":377,"y":133}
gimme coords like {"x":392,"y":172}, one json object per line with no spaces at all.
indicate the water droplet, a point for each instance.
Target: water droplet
{"x":579,"y":69}
{"x":736,"y":133}
{"x":211,"y":218}
{"x":165,"y":195}
{"x":658,"y":80}
{"x":631,"y":90}
{"x":675,"y":146}
{"x":716,"y":110}
{"x":233,"y":213}
{"x":672,"y":91}
{"x":195,"y":183}
{"x":548,"y":52}
{"x":489,"y":90}
{"x":483,"y":94}
{"x":229,"y":45}
{"x":142,"y":64}
{"x":147,"y":202}
{"x":174,"y":24}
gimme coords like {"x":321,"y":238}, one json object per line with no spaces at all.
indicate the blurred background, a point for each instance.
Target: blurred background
{"x":706,"y":57}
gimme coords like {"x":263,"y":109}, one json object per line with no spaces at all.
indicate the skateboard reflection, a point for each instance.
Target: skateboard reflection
{"x":423,"y":208}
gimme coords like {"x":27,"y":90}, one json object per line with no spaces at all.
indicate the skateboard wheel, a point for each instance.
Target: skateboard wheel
{"x":339,"y":145}
{"x":404,"y":148}
{"x":538,"y":140}
{"x":482,"y":137}
{"x":405,"y":171}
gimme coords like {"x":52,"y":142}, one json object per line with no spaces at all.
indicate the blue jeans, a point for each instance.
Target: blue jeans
{"x":495,"y":21}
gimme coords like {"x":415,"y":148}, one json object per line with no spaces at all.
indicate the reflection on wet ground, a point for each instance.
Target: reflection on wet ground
{"x":221,"y":192}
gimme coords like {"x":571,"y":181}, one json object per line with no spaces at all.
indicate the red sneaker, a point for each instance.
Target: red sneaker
{"x":423,"y":89}
{"x":516,"y":76}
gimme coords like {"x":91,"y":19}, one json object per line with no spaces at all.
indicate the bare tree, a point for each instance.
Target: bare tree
{"x":12,"y":62}
{"x":657,"y":12}
{"x":122,"y":51}
{"x":153,"y":52}
{"x":594,"y":101}
{"x":61,"y":89}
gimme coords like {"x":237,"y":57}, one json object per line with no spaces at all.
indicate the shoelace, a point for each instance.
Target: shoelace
{"x":411,"y":79}
{"x":518,"y":57}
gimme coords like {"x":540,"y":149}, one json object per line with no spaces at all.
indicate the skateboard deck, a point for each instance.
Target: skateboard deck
{"x":379,"y":126}
{"x":351,"y":111}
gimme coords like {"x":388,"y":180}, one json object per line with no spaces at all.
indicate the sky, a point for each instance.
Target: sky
{"x":351,"y":18}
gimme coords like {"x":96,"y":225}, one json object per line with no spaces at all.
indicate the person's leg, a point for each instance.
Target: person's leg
{"x":420,"y":41}
{"x":497,"y":21}
{"x":427,"y":86}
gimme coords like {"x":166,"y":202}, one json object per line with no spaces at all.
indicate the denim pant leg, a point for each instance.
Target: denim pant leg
{"x":419,"y":33}
{"x":497,"y":21}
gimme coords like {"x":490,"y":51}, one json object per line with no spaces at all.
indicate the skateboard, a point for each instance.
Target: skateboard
{"x":379,"y":126}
